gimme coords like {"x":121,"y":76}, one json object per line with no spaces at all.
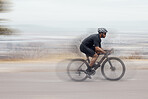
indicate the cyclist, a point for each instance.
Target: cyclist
{"x":91,"y":46}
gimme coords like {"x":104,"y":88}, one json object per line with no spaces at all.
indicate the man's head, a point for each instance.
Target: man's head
{"x":102,"y":32}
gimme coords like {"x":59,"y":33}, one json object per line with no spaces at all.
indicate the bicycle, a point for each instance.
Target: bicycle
{"x":110,"y":67}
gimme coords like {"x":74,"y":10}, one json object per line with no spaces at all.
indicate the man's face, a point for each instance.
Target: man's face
{"x":103,"y":35}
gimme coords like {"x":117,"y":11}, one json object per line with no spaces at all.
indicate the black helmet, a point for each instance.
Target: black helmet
{"x":102,"y":30}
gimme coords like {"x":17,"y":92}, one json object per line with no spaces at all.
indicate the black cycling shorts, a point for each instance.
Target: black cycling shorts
{"x":88,"y":51}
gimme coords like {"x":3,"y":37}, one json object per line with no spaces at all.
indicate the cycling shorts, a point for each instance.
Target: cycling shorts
{"x":89,"y":51}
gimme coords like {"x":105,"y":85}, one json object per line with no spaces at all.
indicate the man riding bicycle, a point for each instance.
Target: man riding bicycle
{"x":112,"y":68}
{"x":91,"y":46}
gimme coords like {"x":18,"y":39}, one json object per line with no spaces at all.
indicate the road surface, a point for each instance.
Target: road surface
{"x":49,"y":81}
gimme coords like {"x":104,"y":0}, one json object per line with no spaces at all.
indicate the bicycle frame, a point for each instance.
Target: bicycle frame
{"x":101,"y":60}
{"x":105,"y":62}
{"x":99,"y":63}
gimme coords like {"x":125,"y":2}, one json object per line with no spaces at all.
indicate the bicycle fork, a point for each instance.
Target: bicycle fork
{"x":111,"y":66}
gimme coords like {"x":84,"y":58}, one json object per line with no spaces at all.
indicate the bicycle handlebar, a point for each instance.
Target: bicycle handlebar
{"x":108,"y":52}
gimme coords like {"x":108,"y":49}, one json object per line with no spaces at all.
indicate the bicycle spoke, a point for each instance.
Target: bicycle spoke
{"x":76,"y":70}
{"x":113,"y":69}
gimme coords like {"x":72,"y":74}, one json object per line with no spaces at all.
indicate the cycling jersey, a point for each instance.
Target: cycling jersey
{"x":88,"y":44}
{"x":92,"y":40}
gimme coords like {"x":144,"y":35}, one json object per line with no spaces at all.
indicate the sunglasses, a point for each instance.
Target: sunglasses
{"x":104,"y":33}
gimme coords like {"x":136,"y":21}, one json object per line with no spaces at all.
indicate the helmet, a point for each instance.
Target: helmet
{"x":102,"y":30}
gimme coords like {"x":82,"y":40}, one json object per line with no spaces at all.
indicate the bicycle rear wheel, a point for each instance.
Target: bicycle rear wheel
{"x":113,"y":73}
{"x":76,"y":69}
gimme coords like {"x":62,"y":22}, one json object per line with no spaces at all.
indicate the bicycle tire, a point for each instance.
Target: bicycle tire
{"x":105,"y":67}
{"x":74,"y":67}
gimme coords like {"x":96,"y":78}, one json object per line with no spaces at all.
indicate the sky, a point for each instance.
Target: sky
{"x":42,"y":15}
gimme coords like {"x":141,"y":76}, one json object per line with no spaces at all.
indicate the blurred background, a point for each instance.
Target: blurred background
{"x":31,"y":29}
{"x":37,"y":36}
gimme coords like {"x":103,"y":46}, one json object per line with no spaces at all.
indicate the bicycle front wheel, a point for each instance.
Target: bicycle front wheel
{"x":114,"y":72}
{"x":76,"y":69}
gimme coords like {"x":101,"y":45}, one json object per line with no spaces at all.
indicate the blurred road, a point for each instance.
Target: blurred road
{"x":49,"y":81}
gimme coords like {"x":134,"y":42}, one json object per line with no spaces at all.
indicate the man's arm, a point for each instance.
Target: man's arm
{"x":99,"y":50}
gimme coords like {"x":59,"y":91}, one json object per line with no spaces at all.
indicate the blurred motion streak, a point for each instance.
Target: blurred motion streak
{"x":5,"y":8}
{"x":23,"y":47}
{"x":33,"y":46}
{"x":4,"y":5}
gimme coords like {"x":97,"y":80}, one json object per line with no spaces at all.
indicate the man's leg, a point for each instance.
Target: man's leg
{"x":92,"y":62}
{"x":90,"y":52}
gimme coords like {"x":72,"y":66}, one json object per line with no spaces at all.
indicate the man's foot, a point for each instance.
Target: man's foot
{"x":90,"y":72}
{"x":88,"y":76}
{"x":95,"y":66}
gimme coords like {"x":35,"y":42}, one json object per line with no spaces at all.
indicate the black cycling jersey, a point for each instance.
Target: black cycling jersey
{"x":92,"y":40}
{"x":88,"y":44}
